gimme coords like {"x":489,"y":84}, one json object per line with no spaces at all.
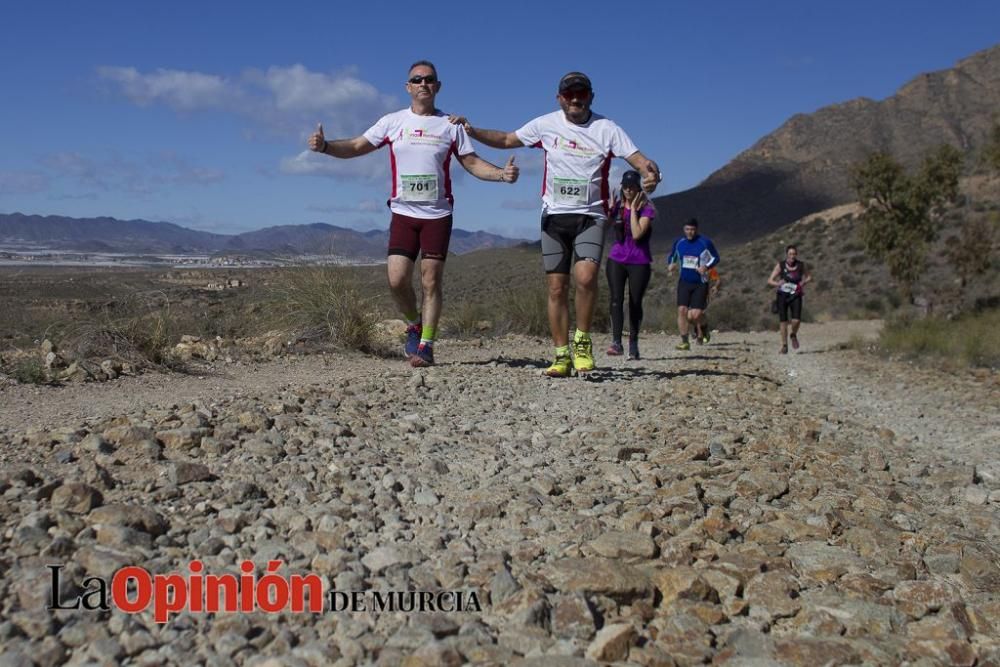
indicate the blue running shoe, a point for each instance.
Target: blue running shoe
{"x":423,"y":357}
{"x":412,"y":339}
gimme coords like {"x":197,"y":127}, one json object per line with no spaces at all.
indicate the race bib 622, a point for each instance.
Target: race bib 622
{"x":571,"y":191}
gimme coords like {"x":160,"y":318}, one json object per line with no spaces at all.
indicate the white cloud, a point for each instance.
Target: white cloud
{"x":295,"y":88}
{"x":288,"y":100}
{"x":183,"y":91}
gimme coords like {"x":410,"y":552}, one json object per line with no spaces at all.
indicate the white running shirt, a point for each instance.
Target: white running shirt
{"x":577,"y":160}
{"x":420,"y":150}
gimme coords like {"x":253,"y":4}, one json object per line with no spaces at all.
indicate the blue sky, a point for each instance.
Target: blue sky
{"x":198,"y":113}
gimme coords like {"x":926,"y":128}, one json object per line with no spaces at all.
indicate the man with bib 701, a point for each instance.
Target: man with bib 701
{"x":697,"y":256}
{"x":579,"y":145}
{"x":421,"y":144}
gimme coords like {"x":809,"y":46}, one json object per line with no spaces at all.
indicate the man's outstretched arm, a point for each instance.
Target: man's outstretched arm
{"x":486,"y":171}
{"x":342,"y":148}
{"x":649,"y":170}
{"x":492,"y":138}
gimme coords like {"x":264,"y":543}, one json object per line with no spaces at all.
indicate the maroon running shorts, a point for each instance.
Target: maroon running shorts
{"x":412,"y":236}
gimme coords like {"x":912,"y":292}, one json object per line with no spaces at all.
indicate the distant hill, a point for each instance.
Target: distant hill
{"x":803,"y":166}
{"x":143,"y":237}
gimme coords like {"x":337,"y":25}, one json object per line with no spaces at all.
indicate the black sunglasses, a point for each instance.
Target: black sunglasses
{"x":423,"y":79}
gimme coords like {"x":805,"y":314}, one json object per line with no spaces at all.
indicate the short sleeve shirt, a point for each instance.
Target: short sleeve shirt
{"x":420,"y":150}
{"x":577,"y":160}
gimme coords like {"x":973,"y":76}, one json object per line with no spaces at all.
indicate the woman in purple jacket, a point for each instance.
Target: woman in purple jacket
{"x":629,"y":260}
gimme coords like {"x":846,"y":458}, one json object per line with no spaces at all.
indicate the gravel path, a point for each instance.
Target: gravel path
{"x":725,"y":505}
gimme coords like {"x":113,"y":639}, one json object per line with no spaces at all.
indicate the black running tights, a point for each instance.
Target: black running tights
{"x":637,"y":276}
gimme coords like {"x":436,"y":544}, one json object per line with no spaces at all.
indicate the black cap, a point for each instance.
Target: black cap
{"x":693,"y":222}
{"x":631,"y":178}
{"x":574,"y":80}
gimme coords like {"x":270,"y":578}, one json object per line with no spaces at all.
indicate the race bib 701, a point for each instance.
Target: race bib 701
{"x":419,"y":187}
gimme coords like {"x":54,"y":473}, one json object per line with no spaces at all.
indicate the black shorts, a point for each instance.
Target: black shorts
{"x":568,"y":238}
{"x":788,"y":303}
{"x":692,"y":295}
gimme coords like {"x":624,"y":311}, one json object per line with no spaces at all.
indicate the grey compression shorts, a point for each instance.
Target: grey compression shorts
{"x":568,"y":238}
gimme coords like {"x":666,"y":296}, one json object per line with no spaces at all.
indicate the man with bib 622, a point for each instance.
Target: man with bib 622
{"x":579,"y":145}
{"x":421,"y":144}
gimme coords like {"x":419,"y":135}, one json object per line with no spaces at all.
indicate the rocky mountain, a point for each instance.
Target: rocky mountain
{"x":105,"y":234}
{"x":803,"y":166}
{"x":144,"y":237}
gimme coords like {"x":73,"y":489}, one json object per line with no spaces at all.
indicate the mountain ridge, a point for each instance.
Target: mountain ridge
{"x":107,"y":234}
{"x":803,"y":166}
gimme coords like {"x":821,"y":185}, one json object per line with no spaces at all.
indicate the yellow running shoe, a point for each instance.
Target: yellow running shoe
{"x":562,"y":367}
{"x":583,"y":355}
{"x":683,"y":346}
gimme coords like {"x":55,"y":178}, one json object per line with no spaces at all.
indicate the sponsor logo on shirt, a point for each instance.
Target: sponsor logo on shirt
{"x":422,"y":136}
{"x":572,"y":147}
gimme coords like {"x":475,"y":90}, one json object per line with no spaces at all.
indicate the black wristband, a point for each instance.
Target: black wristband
{"x":323,"y":150}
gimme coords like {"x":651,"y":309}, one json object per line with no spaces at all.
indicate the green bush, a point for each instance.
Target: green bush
{"x":29,"y":370}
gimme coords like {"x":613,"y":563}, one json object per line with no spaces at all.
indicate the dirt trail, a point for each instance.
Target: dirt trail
{"x":950,"y":414}
{"x":955,"y":415}
{"x":727,"y":505}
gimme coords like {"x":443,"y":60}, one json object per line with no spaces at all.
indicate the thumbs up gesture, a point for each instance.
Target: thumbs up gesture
{"x":510,"y":171}
{"x":317,"y":142}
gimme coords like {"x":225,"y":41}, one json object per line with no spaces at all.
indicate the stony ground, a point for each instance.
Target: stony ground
{"x":727,"y":505}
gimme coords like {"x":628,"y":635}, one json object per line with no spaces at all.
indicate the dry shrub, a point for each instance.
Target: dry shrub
{"x":325,"y":303}
{"x":467,"y":318}
{"x":971,"y":340}
{"x":523,"y":311}
{"x":139,"y":329}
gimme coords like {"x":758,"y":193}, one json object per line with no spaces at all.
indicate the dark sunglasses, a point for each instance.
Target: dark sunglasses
{"x":423,"y":79}
{"x":576,"y":93}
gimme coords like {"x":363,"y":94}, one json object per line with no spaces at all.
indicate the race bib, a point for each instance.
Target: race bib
{"x":571,"y":191}
{"x":419,"y":187}
{"x":689,"y":262}
{"x":789,"y":288}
